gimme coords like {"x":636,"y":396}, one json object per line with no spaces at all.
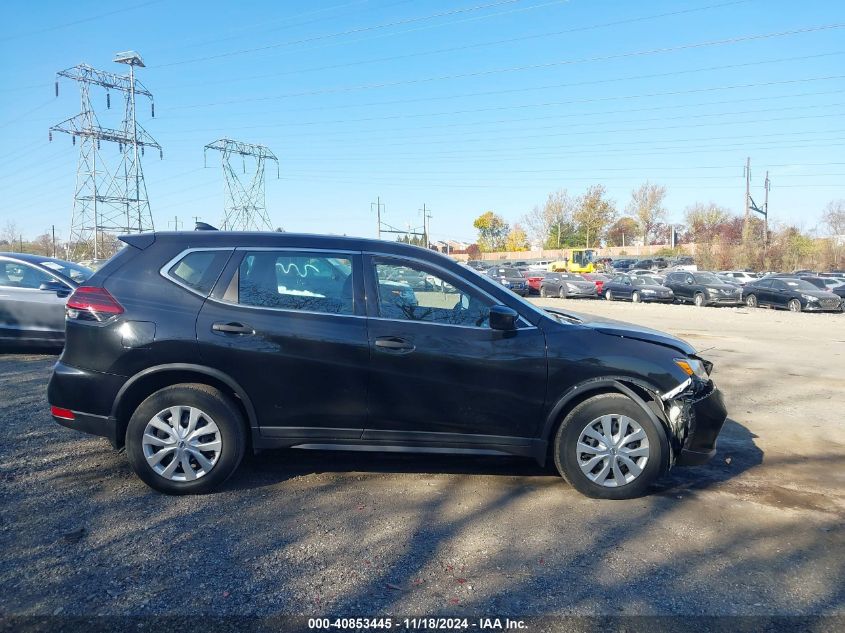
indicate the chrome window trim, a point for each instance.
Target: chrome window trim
{"x":163,"y":271}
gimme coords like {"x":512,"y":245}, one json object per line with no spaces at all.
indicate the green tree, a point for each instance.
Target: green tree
{"x":492,"y":232}
{"x":593,"y":213}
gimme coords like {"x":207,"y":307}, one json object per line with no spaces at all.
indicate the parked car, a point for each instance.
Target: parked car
{"x":534,"y":279}
{"x":510,"y":278}
{"x":33,"y":293}
{"x":567,"y":286}
{"x":728,"y":279}
{"x":741,"y":277}
{"x":599,"y":279}
{"x":92,"y":264}
{"x":702,"y":289}
{"x":187,"y":348}
{"x":825,"y":283}
{"x":681,"y":264}
{"x":791,"y":293}
{"x":620,"y":265}
{"x":637,"y":288}
{"x":539,"y":266}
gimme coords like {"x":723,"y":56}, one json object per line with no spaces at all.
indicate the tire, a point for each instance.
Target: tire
{"x":561,"y":294}
{"x":751,"y":301}
{"x":635,"y":297}
{"x":147,"y":436}
{"x":608,"y":295}
{"x":621,"y":411}
{"x":543,"y":292}
{"x":794,"y":305}
{"x":699,"y":300}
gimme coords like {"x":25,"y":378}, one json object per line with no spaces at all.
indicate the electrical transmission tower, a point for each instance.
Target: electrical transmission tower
{"x":107,"y":202}
{"x":245,"y":204}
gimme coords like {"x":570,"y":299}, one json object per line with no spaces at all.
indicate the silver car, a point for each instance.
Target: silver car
{"x":33,"y":293}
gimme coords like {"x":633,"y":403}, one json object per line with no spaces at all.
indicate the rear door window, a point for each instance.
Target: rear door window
{"x":297,"y":281}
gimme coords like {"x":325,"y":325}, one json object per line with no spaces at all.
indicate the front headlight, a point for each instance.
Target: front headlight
{"x":692,"y":367}
{"x":572,"y":287}
{"x":810,"y":297}
{"x":505,"y":282}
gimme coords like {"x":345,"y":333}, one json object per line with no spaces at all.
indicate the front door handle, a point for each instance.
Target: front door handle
{"x":233,"y":328}
{"x":394,"y":345}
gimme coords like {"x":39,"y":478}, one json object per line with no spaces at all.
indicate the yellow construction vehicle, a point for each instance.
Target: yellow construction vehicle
{"x":579,"y":260}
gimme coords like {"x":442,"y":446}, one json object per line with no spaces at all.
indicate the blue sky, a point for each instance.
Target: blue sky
{"x":465,"y":106}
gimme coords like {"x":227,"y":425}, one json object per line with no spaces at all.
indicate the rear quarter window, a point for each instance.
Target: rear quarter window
{"x":199,"y":270}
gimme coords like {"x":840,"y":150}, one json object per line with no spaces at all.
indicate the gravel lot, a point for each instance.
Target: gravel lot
{"x":757,"y":531}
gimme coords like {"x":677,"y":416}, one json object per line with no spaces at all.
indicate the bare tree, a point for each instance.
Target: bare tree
{"x":647,"y":206}
{"x":834,"y":217}
{"x":9,"y":233}
{"x":593,"y":215}
{"x":547,"y":224}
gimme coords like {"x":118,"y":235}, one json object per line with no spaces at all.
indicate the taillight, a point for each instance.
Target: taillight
{"x":91,"y":303}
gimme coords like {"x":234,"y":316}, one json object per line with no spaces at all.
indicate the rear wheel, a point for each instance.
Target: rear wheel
{"x":751,"y":301}
{"x":608,"y":448}
{"x":185,"y":439}
{"x":609,"y":295}
{"x":635,"y":297}
{"x":699,"y":300}
{"x":794,"y":305}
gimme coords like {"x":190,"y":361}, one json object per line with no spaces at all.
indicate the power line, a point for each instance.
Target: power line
{"x":511,"y":40}
{"x":557,"y":63}
{"x":354,"y":31}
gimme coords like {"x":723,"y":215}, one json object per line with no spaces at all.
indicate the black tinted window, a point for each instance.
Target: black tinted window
{"x":297,"y":281}
{"x":199,"y":270}
{"x":15,"y":275}
{"x":410,"y":293}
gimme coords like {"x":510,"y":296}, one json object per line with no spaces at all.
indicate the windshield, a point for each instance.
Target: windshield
{"x":707,"y":278}
{"x":645,"y":280}
{"x":68,"y":270}
{"x":798,"y":284}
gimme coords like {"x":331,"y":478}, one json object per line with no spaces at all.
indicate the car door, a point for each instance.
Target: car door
{"x":32,"y":303}
{"x":289,"y":326}
{"x":438,"y":371}
{"x":780,"y":293}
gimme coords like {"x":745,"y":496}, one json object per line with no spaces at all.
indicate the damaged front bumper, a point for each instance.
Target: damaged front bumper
{"x":696,"y":415}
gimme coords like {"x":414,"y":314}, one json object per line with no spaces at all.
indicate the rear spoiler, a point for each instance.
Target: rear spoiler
{"x":138,"y":240}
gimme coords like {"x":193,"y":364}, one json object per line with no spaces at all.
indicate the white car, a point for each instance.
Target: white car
{"x":741,"y":277}
{"x":539,"y":267}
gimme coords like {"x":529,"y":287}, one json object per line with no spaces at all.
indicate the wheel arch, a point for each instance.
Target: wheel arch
{"x":147,"y":382}
{"x":642,"y":393}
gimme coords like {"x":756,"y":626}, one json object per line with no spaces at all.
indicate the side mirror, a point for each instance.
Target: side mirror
{"x":54,"y":286}
{"x":689,"y":281}
{"x":503,"y":318}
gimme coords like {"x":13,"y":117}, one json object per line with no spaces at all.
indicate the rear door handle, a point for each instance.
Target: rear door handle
{"x":394,"y":345}
{"x":233,"y":328}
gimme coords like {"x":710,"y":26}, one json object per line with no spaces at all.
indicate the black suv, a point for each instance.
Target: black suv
{"x":190,"y":348}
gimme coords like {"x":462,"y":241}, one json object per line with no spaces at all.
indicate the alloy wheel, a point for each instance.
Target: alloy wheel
{"x":751,"y":301}
{"x":181,"y":443}
{"x":609,"y":295}
{"x":612,"y":450}
{"x":794,"y":305}
{"x":635,"y":297}
{"x":699,"y":300}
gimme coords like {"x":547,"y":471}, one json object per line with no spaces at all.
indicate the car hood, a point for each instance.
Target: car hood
{"x":628,"y":330}
{"x":819,"y":294}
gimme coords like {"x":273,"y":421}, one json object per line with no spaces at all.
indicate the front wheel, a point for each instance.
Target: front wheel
{"x":185,"y":439}
{"x":794,"y":305}
{"x":635,"y":297}
{"x":561,"y":293}
{"x":609,"y":295}
{"x":751,"y":301}
{"x":543,"y":292}
{"x":609,"y":448}
{"x":699,"y":300}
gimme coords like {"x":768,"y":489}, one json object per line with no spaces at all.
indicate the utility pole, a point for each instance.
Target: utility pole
{"x":426,"y":225}
{"x":747,"y":171}
{"x":378,"y":206}
{"x":54,"y":240}
{"x":767,"y":185}
{"x":175,"y":222}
